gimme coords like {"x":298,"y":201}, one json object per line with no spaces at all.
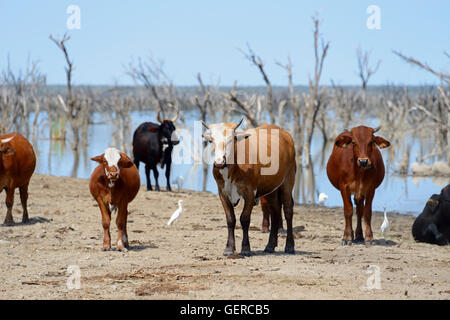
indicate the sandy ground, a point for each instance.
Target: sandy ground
{"x":185,"y":261}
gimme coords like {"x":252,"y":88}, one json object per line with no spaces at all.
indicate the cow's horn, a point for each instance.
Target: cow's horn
{"x":376,"y":129}
{"x":238,"y":124}
{"x":7,"y":139}
{"x":176,"y":116}
{"x":158,"y":118}
{"x":204,"y":124}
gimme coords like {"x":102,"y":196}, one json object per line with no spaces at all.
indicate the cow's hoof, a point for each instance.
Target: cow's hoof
{"x":265,"y":229}
{"x":8,"y":222}
{"x":149,"y":189}
{"x":269,"y":249}
{"x":346,"y":242}
{"x":359,"y":240}
{"x":25,"y":220}
{"x":228,"y":252}
{"x":369,"y":243}
{"x":289,"y":250}
{"x":246,"y":253}
{"x":106,"y":248}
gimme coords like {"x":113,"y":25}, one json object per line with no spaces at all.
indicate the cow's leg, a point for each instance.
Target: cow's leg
{"x":265,"y":206}
{"x":9,"y":221}
{"x":230,"y":249}
{"x":368,"y":216}
{"x":288,"y":208}
{"x":155,"y":174}
{"x":348,"y":213}
{"x":245,"y":223}
{"x":121,"y":222}
{"x":168,"y":165}
{"x":136,"y":162}
{"x":272,"y":202}
{"x":106,"y":221}
{"x":23,"y":199}
{"x":147,"y":176}
{"x":359,"y":214}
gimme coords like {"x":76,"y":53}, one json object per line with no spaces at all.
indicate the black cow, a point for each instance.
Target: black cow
{"x":152,"y":145}
{"x":433,"y":224}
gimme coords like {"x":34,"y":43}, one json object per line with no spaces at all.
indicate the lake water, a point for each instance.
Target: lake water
{"x":400,"y":194}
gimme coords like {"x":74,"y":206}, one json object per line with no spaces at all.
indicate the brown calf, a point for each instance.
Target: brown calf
{"x":250,"y":180}
{"x":356,"y":167}
{"x":17,"y":164}
{"x":114,"y":183}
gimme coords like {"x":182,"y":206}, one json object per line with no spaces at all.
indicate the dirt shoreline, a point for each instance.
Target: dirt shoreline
{"x":185,"y":261}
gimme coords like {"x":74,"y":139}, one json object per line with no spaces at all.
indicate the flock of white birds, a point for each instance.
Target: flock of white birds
{"x":322,"y":198}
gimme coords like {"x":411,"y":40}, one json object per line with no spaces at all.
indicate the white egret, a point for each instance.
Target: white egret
{"x":322,"y":198}
{"x":176,"y":214}
{"x":385,"y":224}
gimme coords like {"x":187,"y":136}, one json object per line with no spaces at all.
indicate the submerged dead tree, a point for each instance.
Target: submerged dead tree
{"x":365,"y":71}
{"x":442,"y":118}
{"x":315,"y":99}
{"x":152,"y":76}
{"x":257,"y":61}
{"x":77,"y":111}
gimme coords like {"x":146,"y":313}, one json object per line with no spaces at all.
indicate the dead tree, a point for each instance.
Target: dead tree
{"x":443,"y":106}
{"x":257,"y":61}
{"x":315,"y":98}
{"x":246,"y":108}
{"x":296,"y":106}
{"x":152,"y":76}
{"x":365,"y":71}
{"x":206,"y":101}
{"x":72,"y":106}
{"x":19,"y":96}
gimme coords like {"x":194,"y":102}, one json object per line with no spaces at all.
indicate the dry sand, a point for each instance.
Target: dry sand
{"x":185,"y":261}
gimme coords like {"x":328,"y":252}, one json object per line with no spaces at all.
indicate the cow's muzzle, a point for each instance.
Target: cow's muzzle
{"x":220,"y":164}
{"x":112,"y":177}
{"x":364,"y":163}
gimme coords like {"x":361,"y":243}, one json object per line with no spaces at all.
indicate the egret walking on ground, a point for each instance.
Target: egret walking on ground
{"x":385,"y":224}
{"x":176,"y":214}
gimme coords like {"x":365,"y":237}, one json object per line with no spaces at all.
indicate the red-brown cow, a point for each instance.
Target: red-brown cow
{"x":17,"y":164}
{"x":114,"y":183}
{"x":242,"y":171}
{"x":356,"y":167}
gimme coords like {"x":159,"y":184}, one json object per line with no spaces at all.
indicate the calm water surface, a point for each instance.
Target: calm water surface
{"x":401,"y":194}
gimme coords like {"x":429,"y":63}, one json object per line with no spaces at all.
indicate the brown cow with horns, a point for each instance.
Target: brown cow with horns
{"x":248,"y":165}
{"x":356,"y":167}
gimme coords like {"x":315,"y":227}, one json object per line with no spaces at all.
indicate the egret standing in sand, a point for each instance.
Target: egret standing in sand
{"x":385,"y":224}
{"x":176,"y":214}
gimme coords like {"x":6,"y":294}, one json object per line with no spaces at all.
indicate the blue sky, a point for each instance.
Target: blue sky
{"x":203,"y":36}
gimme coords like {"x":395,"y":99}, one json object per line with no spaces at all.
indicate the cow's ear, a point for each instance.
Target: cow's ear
{"x":98,"y":159}
{"x":153,"y":129}
{"x":343,"y":140}
{"x":381,"y":142}
{"x":124,"y":161}
{"x":7,"y":150}
{"x":242,"y":136}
